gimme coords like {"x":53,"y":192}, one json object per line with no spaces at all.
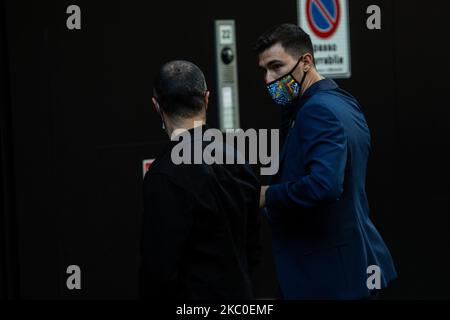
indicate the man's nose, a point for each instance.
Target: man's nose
{"x":268,"y":78}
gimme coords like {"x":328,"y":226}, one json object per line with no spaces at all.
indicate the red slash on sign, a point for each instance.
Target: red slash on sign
{"x":323,"y":16}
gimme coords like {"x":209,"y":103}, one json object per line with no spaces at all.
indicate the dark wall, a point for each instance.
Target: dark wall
{"x":421,"y":176}
{"x":82,"y":123}
{"x":8,"y":235}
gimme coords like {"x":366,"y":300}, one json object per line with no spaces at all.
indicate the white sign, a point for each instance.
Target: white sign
{"x":226,"y":34}
{"x":327,"y":22}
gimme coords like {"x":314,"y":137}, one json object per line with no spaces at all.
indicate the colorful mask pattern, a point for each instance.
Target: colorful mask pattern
{"x":284,"y":91}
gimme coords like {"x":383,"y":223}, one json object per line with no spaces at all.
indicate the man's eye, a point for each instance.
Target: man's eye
{"x":277,"y":66}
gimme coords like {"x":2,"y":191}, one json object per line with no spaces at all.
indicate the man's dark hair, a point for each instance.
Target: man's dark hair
{"x":294,"y":40}
{"x":180,"y":89}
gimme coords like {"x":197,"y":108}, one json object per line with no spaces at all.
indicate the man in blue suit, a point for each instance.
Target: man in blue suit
{"x":325,"y":245}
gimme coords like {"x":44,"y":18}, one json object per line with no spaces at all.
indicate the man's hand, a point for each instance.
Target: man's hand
{"x":262,"y":197}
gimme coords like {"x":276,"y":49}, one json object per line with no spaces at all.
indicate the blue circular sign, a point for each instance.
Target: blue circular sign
{"x":323,"y":16}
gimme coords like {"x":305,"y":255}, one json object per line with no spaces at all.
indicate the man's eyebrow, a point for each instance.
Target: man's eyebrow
{"x":272,"y":62}
{"x":269,"y":64}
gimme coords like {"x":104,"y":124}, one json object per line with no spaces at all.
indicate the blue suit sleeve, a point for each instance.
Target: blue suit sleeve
{"x":324,"y":147}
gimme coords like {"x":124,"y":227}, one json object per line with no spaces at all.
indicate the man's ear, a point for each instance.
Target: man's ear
{"x":156,"y":105}
{"x":308,"y":62}
{"x":207,"y":94}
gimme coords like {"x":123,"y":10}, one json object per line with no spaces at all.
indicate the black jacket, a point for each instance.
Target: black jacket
{"x":201,"y":230}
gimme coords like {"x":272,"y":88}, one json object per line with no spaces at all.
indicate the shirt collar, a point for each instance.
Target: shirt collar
{"x":322,"y":85}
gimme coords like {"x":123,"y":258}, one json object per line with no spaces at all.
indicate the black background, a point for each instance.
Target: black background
{"x":77,"y":122}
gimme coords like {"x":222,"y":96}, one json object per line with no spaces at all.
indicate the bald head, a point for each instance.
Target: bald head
{"x":180,"y":89}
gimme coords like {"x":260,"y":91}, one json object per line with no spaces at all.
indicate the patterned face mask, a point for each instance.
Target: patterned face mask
{"x":286,"y":90}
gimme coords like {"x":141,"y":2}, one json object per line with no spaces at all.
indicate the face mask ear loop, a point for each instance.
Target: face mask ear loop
{"x":303,"y":81}
{"x":293,"y":69}
{"x":298,"y":62}
{"x":300,"y":85}
{"x":161,"y":115}
{"x":163,"y":125}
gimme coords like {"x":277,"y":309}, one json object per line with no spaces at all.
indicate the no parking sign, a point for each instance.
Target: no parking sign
{"x":327,"y":22}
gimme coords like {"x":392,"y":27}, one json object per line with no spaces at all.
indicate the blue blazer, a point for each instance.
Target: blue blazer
{"x":323,"y":239}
